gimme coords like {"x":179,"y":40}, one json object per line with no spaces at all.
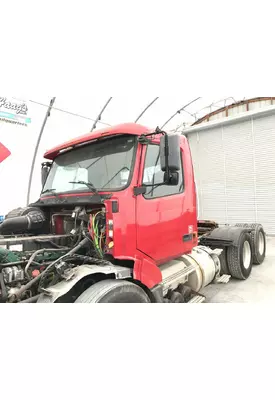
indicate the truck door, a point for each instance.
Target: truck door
{"x":165,"y":219}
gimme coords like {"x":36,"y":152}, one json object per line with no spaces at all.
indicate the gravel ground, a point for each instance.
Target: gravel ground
{"x":260,"y":287}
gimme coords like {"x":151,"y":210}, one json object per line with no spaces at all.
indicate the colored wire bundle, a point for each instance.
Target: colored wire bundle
{"x":97,"y":234}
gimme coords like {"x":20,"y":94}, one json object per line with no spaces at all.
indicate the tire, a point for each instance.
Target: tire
{"x":224,"y":263}
{"x":185,"y":291}
{"x":177,"y":298}
{"x":240,"y":258}
{"x":111,"y":291}
{"x":258,"y":237}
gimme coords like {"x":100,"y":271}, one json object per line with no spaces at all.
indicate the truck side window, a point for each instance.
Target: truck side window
{"x":153,"y":175}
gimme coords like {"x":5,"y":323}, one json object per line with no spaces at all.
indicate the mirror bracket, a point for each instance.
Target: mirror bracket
{"x":45,"y":168}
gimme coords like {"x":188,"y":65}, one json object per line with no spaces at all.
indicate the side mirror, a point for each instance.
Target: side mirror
{"x":170,"y":155}
{"x":45,"y":169}
{"x":172,"y":179}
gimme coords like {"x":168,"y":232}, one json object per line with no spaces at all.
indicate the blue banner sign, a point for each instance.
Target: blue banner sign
{"x":14,"y":111}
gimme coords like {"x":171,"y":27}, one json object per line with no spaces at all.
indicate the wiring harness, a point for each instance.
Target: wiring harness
{"x":97,"y":230}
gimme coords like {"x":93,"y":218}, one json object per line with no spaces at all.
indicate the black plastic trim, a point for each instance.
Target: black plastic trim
{"x":140,"y":190}
{"x":187,"y":238}
{"x":157,"y":293}
{"x":71,"y":200}
{"x":218,"y":243}
{"x":224,"y":236}
{"x":115,"y":207}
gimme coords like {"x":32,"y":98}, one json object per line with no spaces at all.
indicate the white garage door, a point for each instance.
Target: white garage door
{"x":264,"y":137}
{"x":240,"y":172}
{"x":208,"y":160}
{"x":235,"y":172}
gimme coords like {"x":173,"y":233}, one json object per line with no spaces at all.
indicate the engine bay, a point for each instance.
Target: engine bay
{"x":41,"y":247}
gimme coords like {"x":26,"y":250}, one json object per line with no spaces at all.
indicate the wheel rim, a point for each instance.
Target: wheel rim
{"x":261,"y":244}
{"x":247,"y":255}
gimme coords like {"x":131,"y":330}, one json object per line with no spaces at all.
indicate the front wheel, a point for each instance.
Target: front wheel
{"x":111,"y":291}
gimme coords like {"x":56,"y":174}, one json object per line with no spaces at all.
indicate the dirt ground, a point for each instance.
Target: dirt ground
{"x":260,"y":287}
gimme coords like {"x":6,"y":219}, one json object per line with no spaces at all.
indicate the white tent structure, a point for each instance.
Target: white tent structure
{"x":72,"y":117}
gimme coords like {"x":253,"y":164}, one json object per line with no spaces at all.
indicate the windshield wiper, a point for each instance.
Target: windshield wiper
{"x":52,"y":191}
{"x":121,"y":170}
{"x":88,"y":184}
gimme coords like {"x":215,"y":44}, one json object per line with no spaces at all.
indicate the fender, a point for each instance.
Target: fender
{"x":230,"y":233}
{"x":225,"y":236}
{"x":52,"y":294}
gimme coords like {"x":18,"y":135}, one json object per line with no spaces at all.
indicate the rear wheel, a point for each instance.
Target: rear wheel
{"x":260,"y":251}
{"x":258,"y":237}
{"x":111,"y":291}
{"x":224,"y":263}
{"x":239,"y":258}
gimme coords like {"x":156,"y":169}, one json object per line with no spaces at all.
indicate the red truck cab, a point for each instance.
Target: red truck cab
{"x":116,"y":222}
{"x":149,"y":222}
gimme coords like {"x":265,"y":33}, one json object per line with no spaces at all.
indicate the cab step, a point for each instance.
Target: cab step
{"x":198,"y":299}
{"x":175,"y":273}
{"x":224,"y":279}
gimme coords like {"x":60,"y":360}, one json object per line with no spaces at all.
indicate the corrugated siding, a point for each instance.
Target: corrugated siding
{"x":212,"y":179}
{"x":240,"y":176}
{"x":235,"y":172}
{"x":264,"y":133}
{"x":207,"y":153}
{"x":237,"y":110}
{"x":194,"y":147}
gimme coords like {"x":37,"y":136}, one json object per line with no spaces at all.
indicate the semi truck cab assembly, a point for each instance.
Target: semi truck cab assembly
{"x":116,"y":222}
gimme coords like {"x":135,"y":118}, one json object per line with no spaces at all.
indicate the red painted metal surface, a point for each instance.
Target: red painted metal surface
{"x":148,"y":232}
{"x":162,"y":223}
{"x":131,"y":129}
{"x":4,"y":153}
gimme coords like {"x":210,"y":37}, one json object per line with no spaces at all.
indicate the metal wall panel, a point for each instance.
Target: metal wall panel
{"x":208,"y":160}
{"x":194,"y":147}
{"x":240,"y":172}
{"x":264,"y":138}
{"x":235,"y":171}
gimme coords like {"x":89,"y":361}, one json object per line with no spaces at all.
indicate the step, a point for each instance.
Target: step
{"x":223,"y":279}
{"x":175,"y":273}
{"x":197,"y":300}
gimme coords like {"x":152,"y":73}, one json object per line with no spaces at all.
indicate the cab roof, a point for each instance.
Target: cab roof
{"x":130,"y":129}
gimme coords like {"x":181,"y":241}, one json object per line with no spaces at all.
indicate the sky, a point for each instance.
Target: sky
{"x":62,"y":126}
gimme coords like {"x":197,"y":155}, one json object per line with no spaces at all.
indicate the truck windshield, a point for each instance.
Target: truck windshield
{"x":105,"y":164}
